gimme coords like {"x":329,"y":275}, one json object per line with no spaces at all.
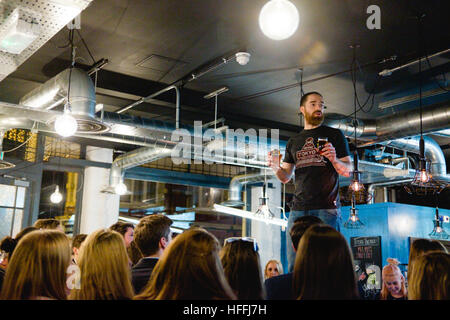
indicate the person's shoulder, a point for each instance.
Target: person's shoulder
{"x":279,"y":278}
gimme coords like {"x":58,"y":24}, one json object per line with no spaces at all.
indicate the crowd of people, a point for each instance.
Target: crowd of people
{"x":125,"y":262}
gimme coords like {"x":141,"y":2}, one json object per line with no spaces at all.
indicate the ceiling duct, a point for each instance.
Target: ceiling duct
{"x":236,"y":184}
{"x":45,"y":17}
{"x":54,"y":92}
{"x":400,"y":125}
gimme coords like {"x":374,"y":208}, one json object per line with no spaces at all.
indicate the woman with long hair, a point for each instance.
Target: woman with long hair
{"x":393,"y":286}
{"x":420,"y":247}
{"x":104,"y":269}
{"x":430,"y":279}
{"x":323,"y":267}
{"x":242,"y":268}
{"x":37,"y":269}
{"x":189,"y":269}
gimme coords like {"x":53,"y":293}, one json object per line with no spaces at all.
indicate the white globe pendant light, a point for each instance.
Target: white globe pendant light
{"x":278,"y":19}
{"x":66,"y":125}
{"x":56,"y":196}
{"x":120,"y":188}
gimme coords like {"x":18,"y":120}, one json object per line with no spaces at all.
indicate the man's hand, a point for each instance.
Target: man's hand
{"x":329,"y":152}
{"x":343,"y":166}
{"x":270,"y":163}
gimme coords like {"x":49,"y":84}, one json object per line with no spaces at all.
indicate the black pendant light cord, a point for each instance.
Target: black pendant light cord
{"x":72,"y":63}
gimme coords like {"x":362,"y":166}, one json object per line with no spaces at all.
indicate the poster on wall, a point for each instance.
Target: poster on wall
{"x":367,"y":258}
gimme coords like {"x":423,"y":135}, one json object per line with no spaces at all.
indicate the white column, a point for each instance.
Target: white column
{"x":268,"y":236}
{"x":99,"y":210}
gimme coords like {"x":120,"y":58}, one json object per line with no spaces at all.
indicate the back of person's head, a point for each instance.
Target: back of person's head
{"x":121,"y":227}
{"x":273,"y":268}
{"x":190,"y":269}
{"x":392,"y":273}
{"x":430,"y":279}
{"x":323,"y":267}
{"x":78,"y":240}
{"x":8,"y":244}
{"x":300,"y":226}
{"x":149,"y":231}
{"x":38,"y":267}
{"x":104,"y":268}
{"x":50,"y":223}
{"x":242,"y":268}
{"x":420,"y":247}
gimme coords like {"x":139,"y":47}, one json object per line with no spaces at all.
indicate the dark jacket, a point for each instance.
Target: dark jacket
{"x":140,"y":273}
{"x":279,"y":287}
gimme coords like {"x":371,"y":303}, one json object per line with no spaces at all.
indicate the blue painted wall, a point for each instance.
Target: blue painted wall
{"x":395,"y":223}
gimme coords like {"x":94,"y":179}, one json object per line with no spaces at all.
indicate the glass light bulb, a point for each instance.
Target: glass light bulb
{"x":353,"y":218}
{"x":120,"y":188}
{"x":278,"y":19}
{"x":438,"y":229}
{"x":424,"y":176}
{"x":356,"y":186}
{"x":56,"y":196}
{"x":66,"y":125}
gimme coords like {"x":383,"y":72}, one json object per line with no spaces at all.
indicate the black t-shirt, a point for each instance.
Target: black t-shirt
{"x":316,"y":180}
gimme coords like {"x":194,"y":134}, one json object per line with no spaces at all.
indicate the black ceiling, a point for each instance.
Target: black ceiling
{"x":150,"y":44}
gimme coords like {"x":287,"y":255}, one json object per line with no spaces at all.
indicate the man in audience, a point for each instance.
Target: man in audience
{"x":50,"y":223}
{"x":152,"y":236}
{"x":76,"y":244}
{"x":280,"y":287}
{"x":126,"y":230}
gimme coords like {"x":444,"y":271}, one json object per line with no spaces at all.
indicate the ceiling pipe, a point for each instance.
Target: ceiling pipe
{"x":400,"y":125}
{"x":237,"y":183}
{"x":54,"y":92}
{"x":371,"y":188}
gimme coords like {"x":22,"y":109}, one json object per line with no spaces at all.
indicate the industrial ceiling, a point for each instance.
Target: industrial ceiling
{"x":151,"y":44}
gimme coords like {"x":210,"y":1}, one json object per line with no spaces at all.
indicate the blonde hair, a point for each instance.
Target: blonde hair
{"x":420,"y":247}
{"x":189,"y":268}
{"x":104,"y":268}
{"x":38,"y":267}
{"x":430,"y":279}
{"x":392,"y":269}
{"x":279,"y":266}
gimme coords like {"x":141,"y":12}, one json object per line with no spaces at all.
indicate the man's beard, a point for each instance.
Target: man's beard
{"x":314,"y":119}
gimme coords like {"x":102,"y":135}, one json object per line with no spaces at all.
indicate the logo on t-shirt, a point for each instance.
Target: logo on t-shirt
{"x":309,"y":155}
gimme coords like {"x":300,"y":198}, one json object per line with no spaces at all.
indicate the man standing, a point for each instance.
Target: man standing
{"x":152,"y":236}
{"x":316,"y":170}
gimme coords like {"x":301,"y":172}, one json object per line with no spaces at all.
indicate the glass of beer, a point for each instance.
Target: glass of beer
{"x":276,"y":156}
{"x":321,"y":142}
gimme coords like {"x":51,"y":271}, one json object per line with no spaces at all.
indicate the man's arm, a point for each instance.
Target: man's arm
{"x":283,"y":172}
{"x":343,"y":166}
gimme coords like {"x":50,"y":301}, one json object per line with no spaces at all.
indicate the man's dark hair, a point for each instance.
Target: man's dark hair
{"x":149,"y":231}
{"x":78,"y":240}
{"x":50,"y":223}
{"x":121,"y":227}
{"x":306,"y":95}
{"x":299,"y":227}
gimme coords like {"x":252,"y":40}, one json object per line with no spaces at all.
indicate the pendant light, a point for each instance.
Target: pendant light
{"x":438,"y":228}
{"x":356,"y":187}
{"x":56,"y":196}
{"x":263,"y":209}
{"x":423,"y":182}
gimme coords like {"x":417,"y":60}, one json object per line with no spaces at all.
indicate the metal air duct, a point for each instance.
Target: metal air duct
{"x":82,"y":99}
